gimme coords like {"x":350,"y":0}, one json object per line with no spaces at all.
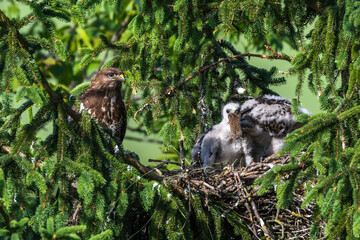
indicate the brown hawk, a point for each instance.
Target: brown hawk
{"x":103,"y":100}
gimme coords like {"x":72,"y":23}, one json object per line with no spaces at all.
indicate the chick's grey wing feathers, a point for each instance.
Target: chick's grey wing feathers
{"x":266,"y":120}
{"x":210,"y":148}
{"x":271,"y":114}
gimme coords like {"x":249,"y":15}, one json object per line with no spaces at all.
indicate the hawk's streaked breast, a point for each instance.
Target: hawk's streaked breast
{"x":104,"y":102}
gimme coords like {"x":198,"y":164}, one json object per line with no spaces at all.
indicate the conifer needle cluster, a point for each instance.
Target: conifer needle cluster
{"x":182,"y":64}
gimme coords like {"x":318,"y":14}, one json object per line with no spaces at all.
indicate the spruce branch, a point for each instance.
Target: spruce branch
{"x":56,"y":98}
{"x":4,"y":19}
{"x":138,"y":130}
{"x":228,"y":65}
{"x":5,"y":217}
{"x":286,"y":73}
{"x":317,"y":5}
{"x":26,"y":21}
{"x":299,"y":34}
{"x":114,"y":38}
{"x":171,"y":89}
{"x":206,"y":7}
{"x":150,"y":173}
{"x":268,"y":48}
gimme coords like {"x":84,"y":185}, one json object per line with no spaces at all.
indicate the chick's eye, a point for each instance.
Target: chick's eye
{"x":227,"y":110}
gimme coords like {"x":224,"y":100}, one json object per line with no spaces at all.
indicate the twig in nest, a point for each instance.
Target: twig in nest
{"x":182,"y":154}
{"x":253,"y":205}
{"x":282,"y":227}
{"x":163,"y":162}
{"x":262,"y":223}
{"x":241,"y":193}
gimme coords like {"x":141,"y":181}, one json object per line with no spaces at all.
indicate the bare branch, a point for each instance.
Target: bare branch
{"x":143,"y":140}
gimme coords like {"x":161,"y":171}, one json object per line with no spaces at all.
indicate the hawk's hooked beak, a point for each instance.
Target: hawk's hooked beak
{"x":120,"y":78}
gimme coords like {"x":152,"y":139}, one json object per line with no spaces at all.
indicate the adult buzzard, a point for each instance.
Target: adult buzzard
{"x":104,"y":102}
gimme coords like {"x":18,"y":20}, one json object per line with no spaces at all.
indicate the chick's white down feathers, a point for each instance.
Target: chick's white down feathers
{"x":265,"y":121}
{"x":217,"y":148}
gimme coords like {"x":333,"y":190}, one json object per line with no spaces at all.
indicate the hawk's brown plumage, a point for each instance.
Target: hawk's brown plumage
{"x":103,"y":100}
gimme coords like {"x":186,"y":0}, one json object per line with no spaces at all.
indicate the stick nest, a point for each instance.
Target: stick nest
{"x":236,"y":190}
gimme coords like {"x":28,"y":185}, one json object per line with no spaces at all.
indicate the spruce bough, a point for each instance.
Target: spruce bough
{"x":182,"y":66}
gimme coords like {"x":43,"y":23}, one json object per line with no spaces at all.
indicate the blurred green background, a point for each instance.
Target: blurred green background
{"x":147,"y":146}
